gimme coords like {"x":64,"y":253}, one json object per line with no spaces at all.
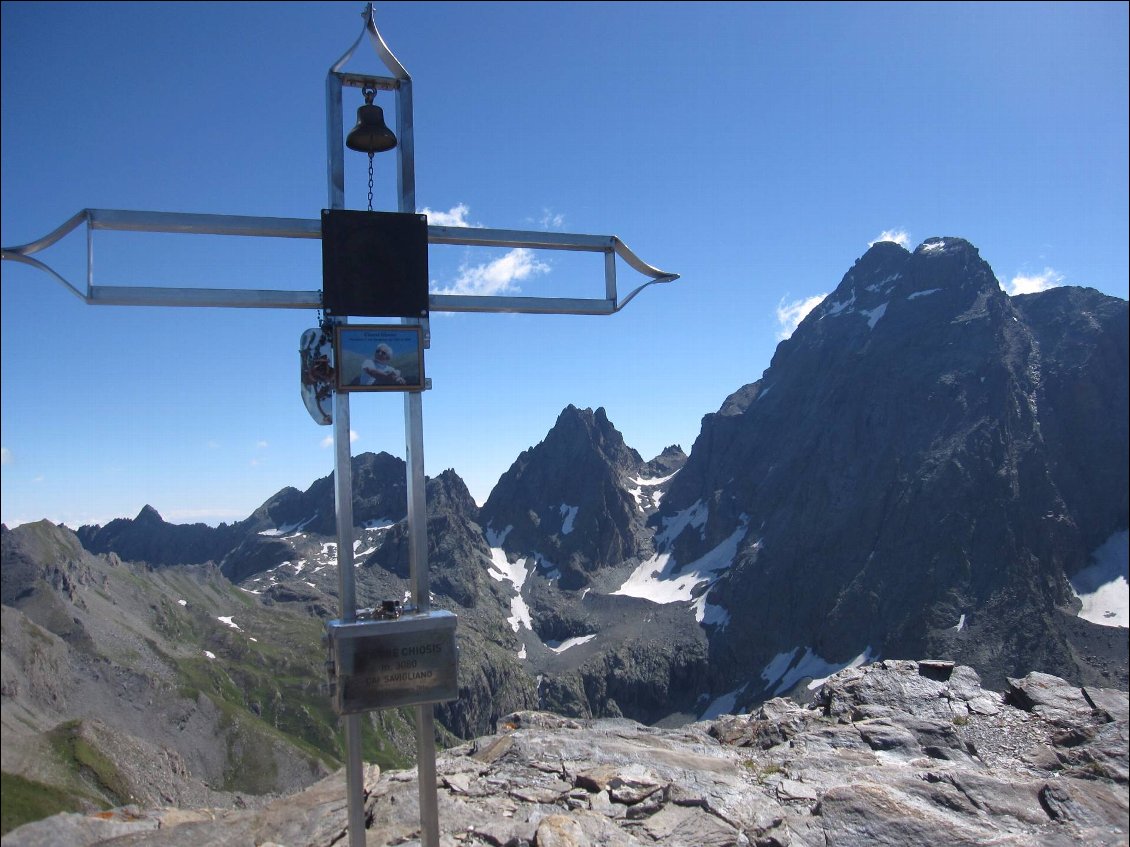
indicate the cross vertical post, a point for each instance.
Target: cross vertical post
{"x":401,"y":84}
{"x":343,"y":486}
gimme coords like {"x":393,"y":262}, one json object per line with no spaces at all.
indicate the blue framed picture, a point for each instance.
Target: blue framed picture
{"x":379,"y":358}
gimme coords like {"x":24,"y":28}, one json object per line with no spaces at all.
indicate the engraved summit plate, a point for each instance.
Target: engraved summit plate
{"x":385,"y":664}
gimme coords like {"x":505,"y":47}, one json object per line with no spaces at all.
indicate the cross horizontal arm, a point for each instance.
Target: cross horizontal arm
{"x":267,"y":227}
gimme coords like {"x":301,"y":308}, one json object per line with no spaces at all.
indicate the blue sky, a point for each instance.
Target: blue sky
{"x":755,"y":149}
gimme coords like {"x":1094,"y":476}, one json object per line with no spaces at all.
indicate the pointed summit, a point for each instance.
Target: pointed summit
{"x":148,"y":515}
{"x":567,"y":500}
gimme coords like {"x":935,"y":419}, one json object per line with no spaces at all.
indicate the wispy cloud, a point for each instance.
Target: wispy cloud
{"x":260,"y":445}
{"x":899,"y":236}
{"x":551,"y":220}
{"x":1032,"y":283}
{"x":455,"y":216}
{"x":328,"y":441}
{"x":499,"y":276}
{"x":789,"y":315}
{"x":5,"y":456}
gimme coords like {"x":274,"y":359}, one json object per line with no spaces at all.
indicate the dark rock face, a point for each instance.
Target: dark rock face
{"x":567,"y":498}
{"x":242,"y":549}
{"x":896,"y":472}
{"x":669,"y":462}
{"x":379,"y":493}
{"x":1082,"y":402}
{"x":148,"y":538}
{"x":34,"y":555}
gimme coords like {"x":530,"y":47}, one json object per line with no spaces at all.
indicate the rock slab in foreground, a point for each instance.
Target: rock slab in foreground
{"x":896,"y":753}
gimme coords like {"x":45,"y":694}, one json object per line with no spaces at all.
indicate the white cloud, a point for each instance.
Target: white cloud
{"x":328,"y":441}
{"x":455,"y":216}
{"x":499,"y":276}
{"x":551,"y":220}
{"x":789,"y":315}
{"x":1030,"y":284}
{"x":260,"y":445}
{"x":899,"y":236}
{"x":5,"y":456}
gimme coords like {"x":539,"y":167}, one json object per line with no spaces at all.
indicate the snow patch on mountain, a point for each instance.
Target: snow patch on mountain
{"x":693,"y":516}
{"x":496,"y":538}
{"x":788,"y":668}
{"x":1103,"y":587}
{"x":287,"y":529}
{"x":925,"y":293}
{"x":723,"y":705}
{"x":839,"y":308}
{"x":502,"y":570}
{"x":710,"y":615}
{"x":873,"y":315}
{"x":883,"y":285}
{"x":661,"y":579}
{"x":655,"y":480}
{"x":545,"y":567}
{"x":562,"y":646}
{"x":568,"y":515}
{"x":650,"y":498}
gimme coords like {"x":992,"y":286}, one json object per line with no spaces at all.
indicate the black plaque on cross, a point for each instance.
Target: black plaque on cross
{"x":374,"y":263}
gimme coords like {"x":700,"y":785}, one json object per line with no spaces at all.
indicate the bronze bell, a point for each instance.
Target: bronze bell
{"x":370,"y":135}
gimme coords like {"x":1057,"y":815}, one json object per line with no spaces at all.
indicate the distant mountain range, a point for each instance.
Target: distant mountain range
{"x":929,"y":468}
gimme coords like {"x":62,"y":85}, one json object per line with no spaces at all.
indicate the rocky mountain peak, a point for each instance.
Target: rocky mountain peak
{"x":148,"y":515}
{"x":581,"y":431}
{"x":912,"y":436}
{"x":448,"y":492}
{"x":670,"y":461}
{"x":567,"y":500}
{"x":949,"y":271}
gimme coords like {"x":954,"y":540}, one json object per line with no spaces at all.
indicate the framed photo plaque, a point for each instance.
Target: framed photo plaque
{"x":379,"y":358}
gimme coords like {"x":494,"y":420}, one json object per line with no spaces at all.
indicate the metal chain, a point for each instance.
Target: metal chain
{"x":370,"y":182}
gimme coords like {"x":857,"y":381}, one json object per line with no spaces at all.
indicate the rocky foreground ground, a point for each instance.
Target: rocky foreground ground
{"x":895,"y":753}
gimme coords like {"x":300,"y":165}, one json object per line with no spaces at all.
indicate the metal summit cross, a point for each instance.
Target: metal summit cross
{"x":364,"y":646}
